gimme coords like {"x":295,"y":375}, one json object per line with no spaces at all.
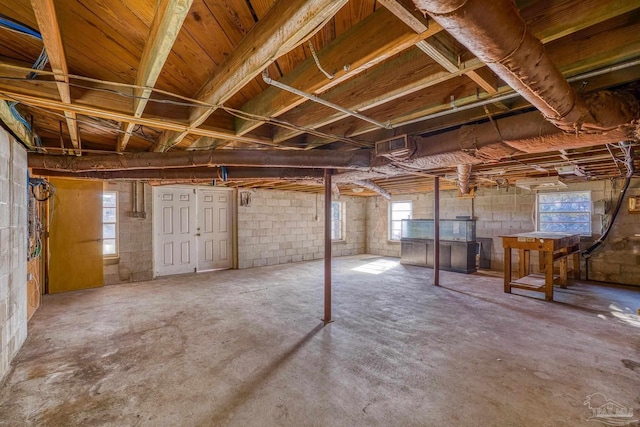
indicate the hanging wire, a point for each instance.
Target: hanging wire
{"x":315,"y":58}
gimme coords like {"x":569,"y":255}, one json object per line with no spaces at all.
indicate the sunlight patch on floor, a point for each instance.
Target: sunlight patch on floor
{"x":377,"y":267}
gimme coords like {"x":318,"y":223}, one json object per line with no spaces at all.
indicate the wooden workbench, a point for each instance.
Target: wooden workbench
{"x":551,"y":247}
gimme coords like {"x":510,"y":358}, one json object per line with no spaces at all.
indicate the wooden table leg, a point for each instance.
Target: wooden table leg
{"x":563,"y":272}
{"x":507,"y":270}
{"x":548,"y":279}
{"x":576,"y":265}
{"x":521,"y":263}
{"x":527,"y":261}
{"x":541,"y":263}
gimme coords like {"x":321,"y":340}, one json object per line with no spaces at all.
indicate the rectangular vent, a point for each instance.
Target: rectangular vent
{"x":394,"y":147}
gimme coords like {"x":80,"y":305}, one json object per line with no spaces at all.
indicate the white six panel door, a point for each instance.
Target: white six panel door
{"x":174,"y":229}
{"x":214,"y":229}
{"x":192,"y":229}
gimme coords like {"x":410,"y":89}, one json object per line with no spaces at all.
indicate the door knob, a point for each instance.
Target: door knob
{"x":198,"y":235}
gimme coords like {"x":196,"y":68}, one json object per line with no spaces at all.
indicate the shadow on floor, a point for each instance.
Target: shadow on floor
{"x":245,"y":391}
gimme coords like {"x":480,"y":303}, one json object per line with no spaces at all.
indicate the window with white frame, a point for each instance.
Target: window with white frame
{"x":337,"y":221}
{"x":397,"y":212}
{"x":566,"y":212}
{"x":110,"y":223}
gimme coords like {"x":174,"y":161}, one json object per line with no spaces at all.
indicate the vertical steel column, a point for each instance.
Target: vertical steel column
{"x":327,"y":246}
{"x":436,"y":231}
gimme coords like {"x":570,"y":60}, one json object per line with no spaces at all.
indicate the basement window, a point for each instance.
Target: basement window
{"x":397,"y":212}
{"x":565,"y":212}
{"x":110,"y":224}
{"x":337,"y":221}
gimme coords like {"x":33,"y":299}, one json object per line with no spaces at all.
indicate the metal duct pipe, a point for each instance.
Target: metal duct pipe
{"x":495,"y":33}
{"x":491,"y":141}
{"x":187,"y":174}
{"x":360,"y":159}
{"x":464,"y":175}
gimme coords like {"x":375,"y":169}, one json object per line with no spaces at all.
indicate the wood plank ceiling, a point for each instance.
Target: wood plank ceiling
{"x":171,"y":75}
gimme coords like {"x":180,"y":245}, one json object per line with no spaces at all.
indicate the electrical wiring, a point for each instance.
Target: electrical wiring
{"x":232,"y":111}
{"x":33,"y":298}
{"x":12,"y":25}
{"x":41,"y":62}
{"x":627,"y":148}
{"x":188,"y":102}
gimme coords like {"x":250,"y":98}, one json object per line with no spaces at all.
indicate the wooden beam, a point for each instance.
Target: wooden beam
{"x":608,"y":50}
{"x":408,"y":13}
{"x":361,"y":47}
{"x":484,"y":78}
{"x":15,"y":126}
{"x":442,"y":57}
{"x":400,"y":76}
{"x":559,"y":19}
{"x":286,"y":25}
{"x":553,"y":23}
{"x":165,"y":27}
{"x":45,"y":13}
{"x":102,"y":113}
{"x":375,"y":88}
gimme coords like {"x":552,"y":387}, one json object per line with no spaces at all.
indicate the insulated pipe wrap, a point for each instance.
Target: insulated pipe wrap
{"x":495,"y":33}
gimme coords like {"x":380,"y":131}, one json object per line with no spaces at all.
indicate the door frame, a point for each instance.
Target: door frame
{"x":234,"y":219}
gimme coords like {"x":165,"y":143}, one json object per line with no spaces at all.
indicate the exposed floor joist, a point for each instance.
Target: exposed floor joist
{"x":359,"y":49}
{"x":166,"y":25}
{"x":45,"y":13}
{"x":284,"y":27}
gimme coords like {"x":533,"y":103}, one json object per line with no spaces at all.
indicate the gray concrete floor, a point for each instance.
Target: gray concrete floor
{"x":247,"y":348}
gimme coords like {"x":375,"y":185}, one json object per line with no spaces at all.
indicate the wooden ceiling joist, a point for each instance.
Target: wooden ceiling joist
{"x":360,"y":48}
{"x":285,"y":26}
{"x":102,"y":113}
{"x":406,"y":74}
{"x":165,"y":27}
{"x":609,"y":49}
{"x":45,"y":13}
{"x":15,"y":126}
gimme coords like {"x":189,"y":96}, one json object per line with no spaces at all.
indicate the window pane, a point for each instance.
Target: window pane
{"x":335,"y":232}
{"x":565,"y":207}
{"x":397,"y":216}
{"x":566,"y":227}
{"x":109,"y":215}
{"x":109,"y":200}
{"x":335,"y":210}
{"x":568,"y":212}
{"x":565,"y":217}
{"x":578,"y":196}
{"x":401,"y":206}
{"x":109,"y":246}
{"x":108,"y":231}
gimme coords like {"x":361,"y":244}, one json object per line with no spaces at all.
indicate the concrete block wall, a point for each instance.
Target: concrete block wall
{"x":135,"y":260}
{"x":377,"y":212}
{"x":13,"y":249}
{"x":618,"y":259}
{"x":508,"y":211}
{"x":279,"y":227}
